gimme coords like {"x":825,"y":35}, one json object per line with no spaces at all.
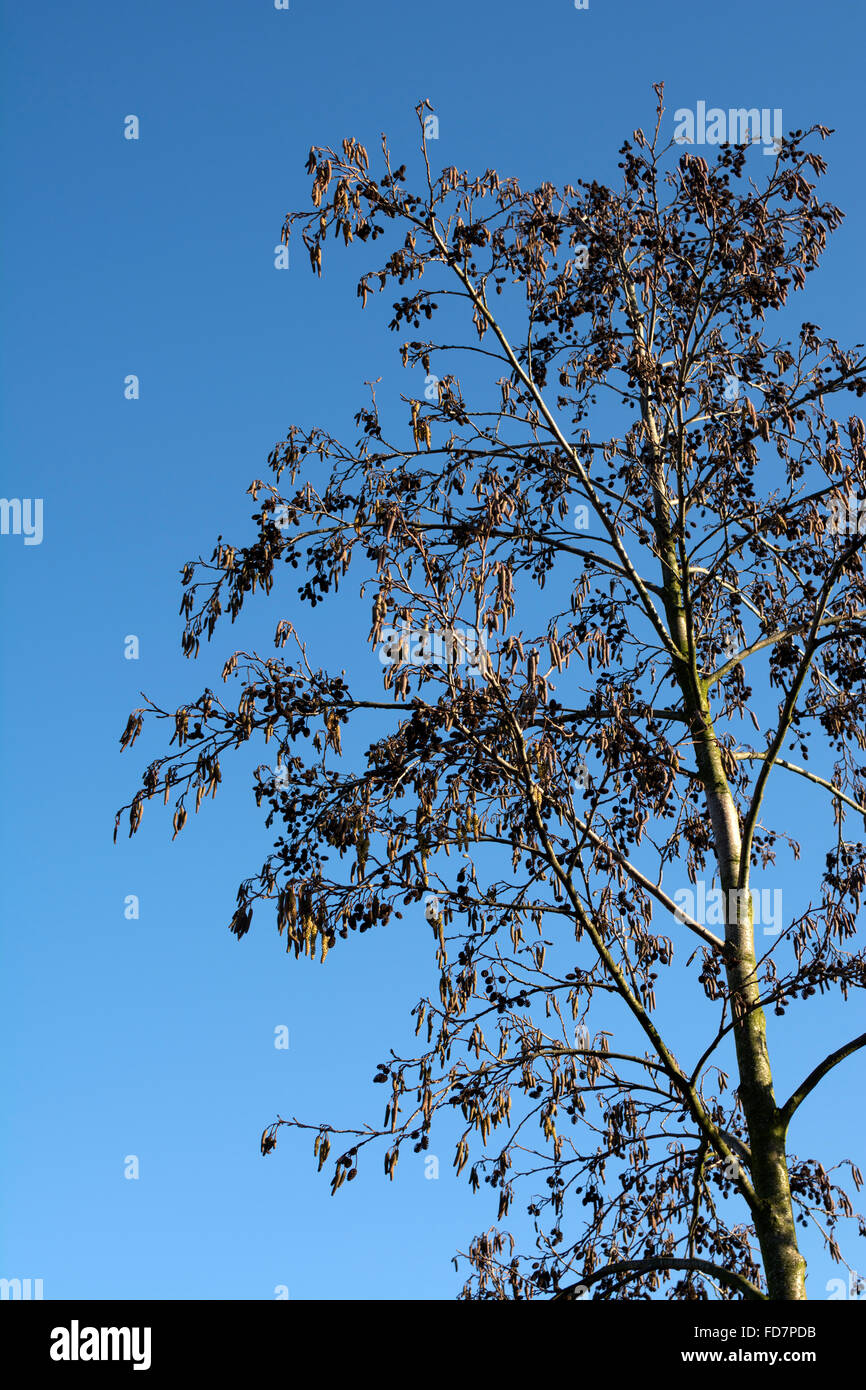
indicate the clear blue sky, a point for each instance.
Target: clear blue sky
{"x":154,"y":1037}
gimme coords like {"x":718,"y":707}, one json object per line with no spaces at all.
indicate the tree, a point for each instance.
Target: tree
{"x":683,"y":564}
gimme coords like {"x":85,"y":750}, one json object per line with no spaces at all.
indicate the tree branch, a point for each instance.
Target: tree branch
{"x":804,"y":772}
{"x":653,"y":1262}
{"x":798,"y":1096}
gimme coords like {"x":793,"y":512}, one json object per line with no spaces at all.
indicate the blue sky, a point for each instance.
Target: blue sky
{"x":154,"y":1037}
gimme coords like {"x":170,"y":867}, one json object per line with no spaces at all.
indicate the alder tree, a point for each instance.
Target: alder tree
{"x":611,"y":540}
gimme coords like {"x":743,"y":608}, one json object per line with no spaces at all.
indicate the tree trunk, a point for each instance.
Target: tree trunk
{"x":773,"y":1215}
{"x":784,"y":1266}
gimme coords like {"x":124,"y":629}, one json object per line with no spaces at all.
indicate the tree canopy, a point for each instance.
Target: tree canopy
{"x":613,"y":556}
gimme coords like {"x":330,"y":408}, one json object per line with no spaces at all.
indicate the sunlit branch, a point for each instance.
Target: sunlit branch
{"x":796,"y":1099}
{"x":804,"y":772}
